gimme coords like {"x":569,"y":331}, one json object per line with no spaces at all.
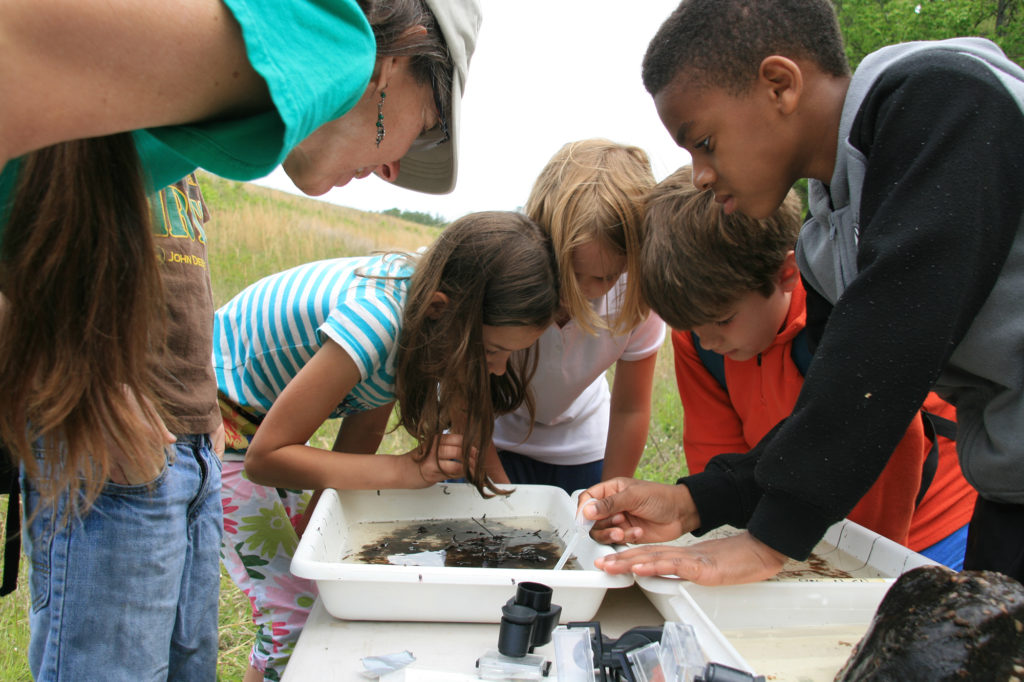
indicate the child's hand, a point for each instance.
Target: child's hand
{"x":726,"y":561}
{"x":631,"y":510}
{"x":442,"y":462}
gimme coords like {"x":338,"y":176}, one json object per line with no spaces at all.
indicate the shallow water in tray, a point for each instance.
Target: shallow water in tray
{"x":834,"y":565}
{"x":518,"y":542}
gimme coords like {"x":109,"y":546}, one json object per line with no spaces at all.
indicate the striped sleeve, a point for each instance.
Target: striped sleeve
{"x":366,"y":321}
{"x":268,"y":332}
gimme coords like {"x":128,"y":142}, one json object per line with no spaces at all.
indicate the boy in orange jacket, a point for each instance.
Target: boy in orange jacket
{"x":730,"y":287}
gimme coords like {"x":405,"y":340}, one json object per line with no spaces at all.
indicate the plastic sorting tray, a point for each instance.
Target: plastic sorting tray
{"x":713,"y":642}
{"x":438,"y":593}
{"x":801,"y":625}
{"x":842,"y":583}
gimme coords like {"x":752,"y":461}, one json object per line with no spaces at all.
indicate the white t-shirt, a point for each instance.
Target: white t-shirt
{"x":570,"y":391}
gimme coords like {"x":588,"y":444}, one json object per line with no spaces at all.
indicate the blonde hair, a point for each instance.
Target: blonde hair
{"x":593,"y":191}
{"x":697,"y":261}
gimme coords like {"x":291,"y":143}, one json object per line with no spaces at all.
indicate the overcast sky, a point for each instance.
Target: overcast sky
{"x":545,"y":72}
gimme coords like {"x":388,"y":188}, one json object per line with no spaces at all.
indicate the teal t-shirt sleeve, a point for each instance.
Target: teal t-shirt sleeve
{"x":8,"y":178}
{"x":316,"y":58}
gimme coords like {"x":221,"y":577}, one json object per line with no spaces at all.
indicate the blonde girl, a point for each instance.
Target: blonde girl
{"x":349,"y":338}
{"x":589,"y":199}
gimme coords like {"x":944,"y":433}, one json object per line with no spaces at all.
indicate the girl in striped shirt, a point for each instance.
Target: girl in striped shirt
{"x":348,"y":338}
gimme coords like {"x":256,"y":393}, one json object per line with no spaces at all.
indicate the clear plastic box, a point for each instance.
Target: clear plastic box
{"x":850,"y":571}
{"x":800,"y":625}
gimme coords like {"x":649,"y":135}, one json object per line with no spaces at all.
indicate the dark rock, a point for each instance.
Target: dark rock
{"x":937,"y":625}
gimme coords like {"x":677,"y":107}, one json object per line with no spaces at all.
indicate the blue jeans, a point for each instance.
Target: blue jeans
{"x":128,"y":590}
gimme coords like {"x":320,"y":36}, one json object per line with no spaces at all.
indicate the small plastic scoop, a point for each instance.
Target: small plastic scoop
{"x":583,"y":526}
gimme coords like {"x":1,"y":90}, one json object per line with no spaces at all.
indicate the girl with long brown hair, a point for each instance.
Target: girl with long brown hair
{"x":440,"y":335}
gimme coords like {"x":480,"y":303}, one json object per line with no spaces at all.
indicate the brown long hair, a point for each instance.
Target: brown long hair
{"x":83,"y":300}
{"x":496,"y":268}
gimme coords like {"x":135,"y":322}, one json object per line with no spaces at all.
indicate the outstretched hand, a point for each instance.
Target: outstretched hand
{"x":442,"y":462}
{"x":726,"y":561}
{"x":631,"y":510}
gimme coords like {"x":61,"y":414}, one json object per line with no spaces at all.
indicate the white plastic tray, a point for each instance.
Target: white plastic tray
{"x":444,"y":594}
{"x":801,"y":625}
{"x":800,"y":596}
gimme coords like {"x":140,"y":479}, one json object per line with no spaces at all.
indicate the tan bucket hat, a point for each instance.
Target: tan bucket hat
{"x":434,"y":170}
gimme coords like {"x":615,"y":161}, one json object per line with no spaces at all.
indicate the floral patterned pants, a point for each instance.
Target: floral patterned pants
{"x":259,"y":541}
{"x":257,"y":547}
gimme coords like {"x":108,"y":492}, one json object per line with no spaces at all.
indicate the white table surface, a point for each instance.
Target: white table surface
{"x":331,"y":649}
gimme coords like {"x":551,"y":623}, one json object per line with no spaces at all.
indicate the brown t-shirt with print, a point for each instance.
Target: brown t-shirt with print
{"x":187,"y":385}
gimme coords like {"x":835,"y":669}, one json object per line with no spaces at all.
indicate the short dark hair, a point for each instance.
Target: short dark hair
{"x":697,"y":261}
{"x":723,"y":42}
{"x":430,"y":62}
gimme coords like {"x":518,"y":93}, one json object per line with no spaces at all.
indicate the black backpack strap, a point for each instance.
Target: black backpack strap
{"x":712,"y":361}
{"x":934,"y":426}
{"x":800,"y":352}
{"x":940,"y":425}
{"x":12,"y":531}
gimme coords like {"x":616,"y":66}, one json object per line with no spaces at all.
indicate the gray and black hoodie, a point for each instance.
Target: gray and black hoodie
{"x":913,"y":262}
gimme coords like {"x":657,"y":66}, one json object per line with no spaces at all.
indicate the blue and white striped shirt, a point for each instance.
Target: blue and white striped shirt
{"x":269,"y":331}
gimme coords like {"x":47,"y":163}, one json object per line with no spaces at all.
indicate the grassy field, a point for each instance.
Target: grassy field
{"x":254,"y":232}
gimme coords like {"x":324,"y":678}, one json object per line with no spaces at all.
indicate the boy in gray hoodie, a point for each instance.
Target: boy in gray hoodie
{"x":913,"y":261}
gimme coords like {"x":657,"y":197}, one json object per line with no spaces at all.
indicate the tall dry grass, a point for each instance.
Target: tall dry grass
{"x":254,"y":232}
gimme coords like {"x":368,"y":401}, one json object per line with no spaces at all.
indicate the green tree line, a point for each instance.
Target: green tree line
{"x":417,"y":217}
{"x":870,"y":24}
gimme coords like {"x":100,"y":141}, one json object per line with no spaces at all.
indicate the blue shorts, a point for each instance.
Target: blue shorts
{"x":128,"y":590}
{"x":949,"y":551}
{"x":568,"y":477}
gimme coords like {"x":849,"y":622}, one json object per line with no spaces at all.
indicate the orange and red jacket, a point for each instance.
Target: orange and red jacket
{"x":762,"y":392}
